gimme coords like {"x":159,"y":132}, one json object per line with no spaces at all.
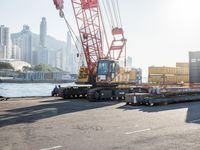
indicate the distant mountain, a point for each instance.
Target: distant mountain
{"x":52,"y":43}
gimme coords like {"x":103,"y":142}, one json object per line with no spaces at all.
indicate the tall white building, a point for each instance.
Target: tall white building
{"x":66,"y":54}
{"x":35,"y":57}
{"x":52,"y":57}
{"x":129,"y":62}
{"x":43,"y":56}
{"x":58,"y":60}
{"x":43,"y":32}
{"x":74,"y":61}
{"x":23,"y":40}
{"x":43,"y":53}
{"x":16,"y":52}
{"x":4,"y":43}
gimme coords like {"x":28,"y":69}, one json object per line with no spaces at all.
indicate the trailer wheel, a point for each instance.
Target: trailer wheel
{"x":97,"y":95}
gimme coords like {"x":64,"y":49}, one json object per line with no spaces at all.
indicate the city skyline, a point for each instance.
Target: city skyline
{"x":63,"y":58}
{"x":27,"y":46}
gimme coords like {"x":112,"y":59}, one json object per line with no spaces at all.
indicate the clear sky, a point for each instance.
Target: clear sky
{"x":159,"y":32}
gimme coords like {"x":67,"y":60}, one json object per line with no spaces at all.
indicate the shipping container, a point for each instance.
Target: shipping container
{"x":182,"y":64}
{"x":182,"y":71}
{"x":168,"y":75}
{"x":194,"y":67}
{"x":162,"y":70}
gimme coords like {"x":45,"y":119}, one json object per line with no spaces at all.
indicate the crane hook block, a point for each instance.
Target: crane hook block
{"x":59,"y":4}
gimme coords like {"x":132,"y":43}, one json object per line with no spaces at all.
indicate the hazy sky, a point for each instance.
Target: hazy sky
{"x":159,"y":32}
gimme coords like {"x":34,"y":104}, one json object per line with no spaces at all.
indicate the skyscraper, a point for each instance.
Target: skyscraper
{"x":66,"y":55}
{"x":43,"y":32}
{"x":58,"y":59}
{"x":43,"y":53}
{"x":4,"y":42}
{"x":129,"y":62}
{"x":74,"y":60}
{"x":16,"y":52}
{"x":23,"y":40}
{"x":43,"y":56}
{"x":68,"y":52}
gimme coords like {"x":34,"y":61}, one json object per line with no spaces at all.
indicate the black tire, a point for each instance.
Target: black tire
{"x":97,"y":95}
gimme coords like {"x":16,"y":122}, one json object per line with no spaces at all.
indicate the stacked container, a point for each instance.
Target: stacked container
{"x":169,"y":75}
{"x":194,"y":67}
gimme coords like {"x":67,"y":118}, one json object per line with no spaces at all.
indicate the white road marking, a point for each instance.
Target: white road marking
{"x":138,"y":131}
{"x":51,"y":148}
{"x":193,"y":121}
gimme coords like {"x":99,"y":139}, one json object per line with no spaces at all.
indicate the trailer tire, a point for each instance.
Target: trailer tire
{"x":97,"y":95}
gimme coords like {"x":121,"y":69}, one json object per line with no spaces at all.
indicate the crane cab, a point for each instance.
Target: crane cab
{"x":107,"y":71}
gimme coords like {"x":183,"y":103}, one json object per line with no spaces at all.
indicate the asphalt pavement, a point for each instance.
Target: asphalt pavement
{"x":49,"y":123}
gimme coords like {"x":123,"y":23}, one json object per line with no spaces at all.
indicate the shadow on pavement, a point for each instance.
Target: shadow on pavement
{"x":47,"y":109}
{"x":193,"y":112}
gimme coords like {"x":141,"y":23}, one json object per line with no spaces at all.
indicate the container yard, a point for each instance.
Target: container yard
{"x":169,"y":75}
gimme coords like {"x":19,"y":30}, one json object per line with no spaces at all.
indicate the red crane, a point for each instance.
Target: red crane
{"x":103,"y":71}
{"x":90,"y":24}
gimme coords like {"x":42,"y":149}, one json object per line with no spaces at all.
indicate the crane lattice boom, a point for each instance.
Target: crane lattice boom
{"x":91,"y":28}
{"x":89,"y":25}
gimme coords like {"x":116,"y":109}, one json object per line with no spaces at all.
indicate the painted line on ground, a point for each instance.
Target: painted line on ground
{"x":193,"y":121}
{"x":138,"y":131}
{"x":50,"y":148}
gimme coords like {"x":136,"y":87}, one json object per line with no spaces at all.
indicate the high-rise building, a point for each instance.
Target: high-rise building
{"x":23,"y":40}
{"x":43,"y":56}
{"x":43,"y":32}
{"x":58,"y":62}
{"x":68,"y":52}
{"x":4,"y":42}
{"x":129,"y":62}
{"x":52,"y":57}
{"x":64,"y":58}
{"x":43,"y":53}
{"x":16,"y":52}
{"x":74,"y":61}
{"x":35,"y":57}
{"x":2,"y":52}
{"x":2,"y":34}
{"x":81,"y":58}
{"x":194,"y":67}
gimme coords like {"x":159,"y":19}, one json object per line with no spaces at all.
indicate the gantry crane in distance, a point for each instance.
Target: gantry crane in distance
{"x":103,"y":72}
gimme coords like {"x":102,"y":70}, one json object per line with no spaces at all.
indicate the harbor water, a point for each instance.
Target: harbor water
{"x":28,"y":89}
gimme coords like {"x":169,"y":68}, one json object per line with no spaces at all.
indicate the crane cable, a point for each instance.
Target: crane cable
{"x":119,"y":14}
{"x":71,"y":31}
{"x":115,"y":12}
{"x":106,"y":12}
{"x":110,"y":12}
{"x":104,"y":29}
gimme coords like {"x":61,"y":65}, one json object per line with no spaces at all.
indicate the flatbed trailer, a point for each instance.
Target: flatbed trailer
{"x":73,"y":92}
{"x":99,"y":93}
{"x":167,"y":97}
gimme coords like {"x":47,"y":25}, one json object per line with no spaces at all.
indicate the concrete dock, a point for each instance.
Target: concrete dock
{"x":45,"y":123}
